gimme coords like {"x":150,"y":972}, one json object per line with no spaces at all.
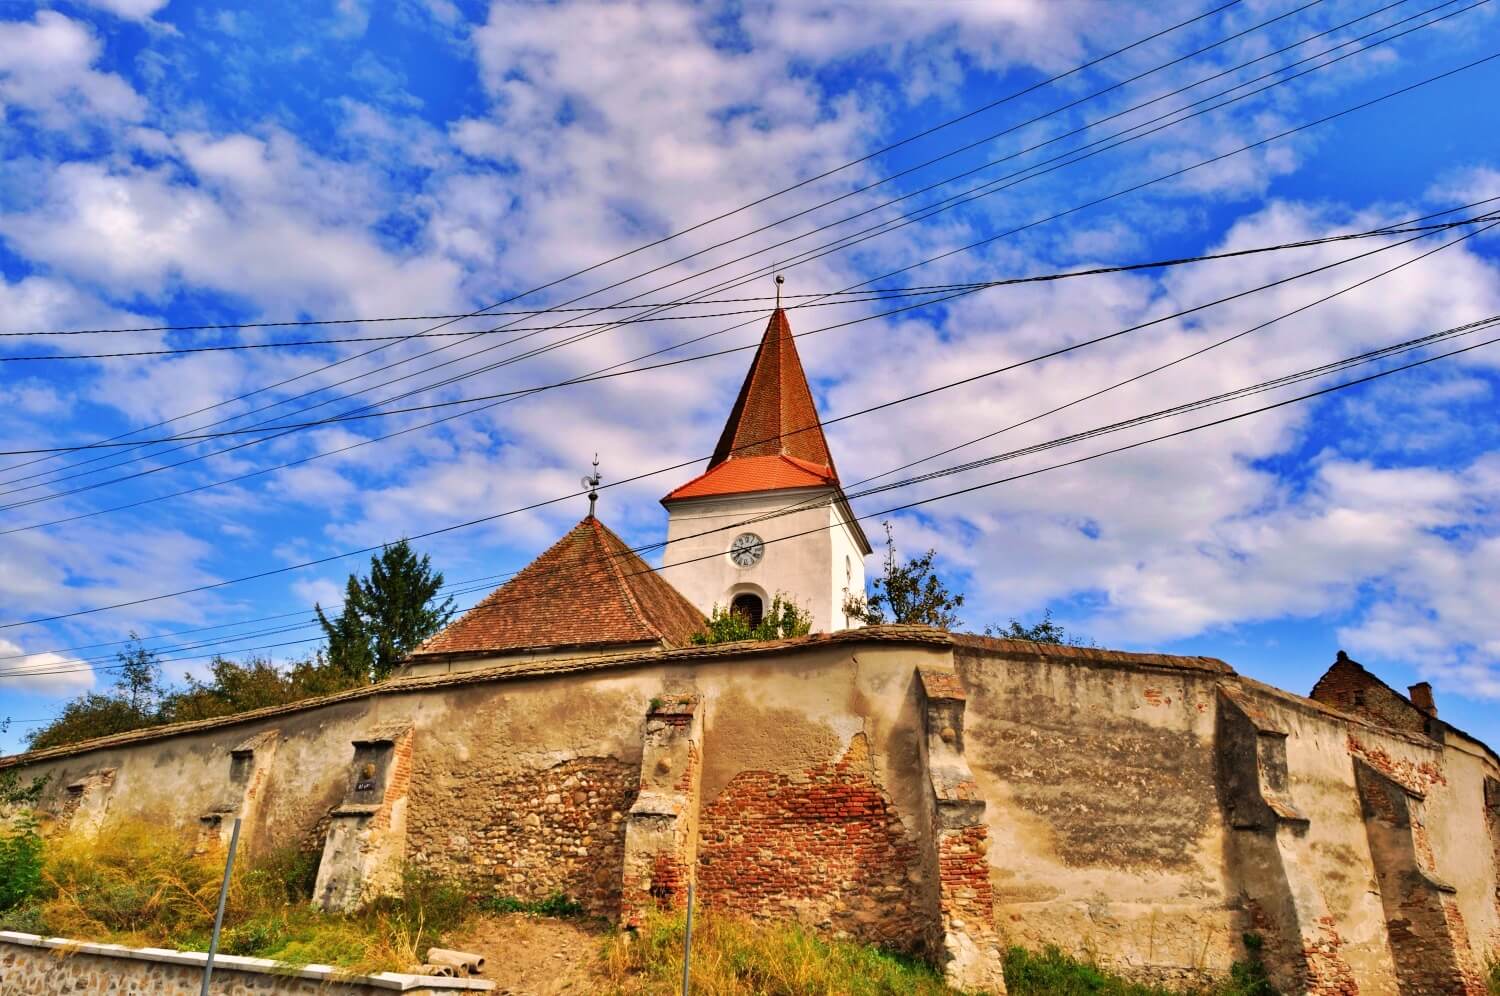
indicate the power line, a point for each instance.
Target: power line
{"x":720,"y":217}
{"x":498,"y":515}
{"x":510,"y":395}
{"x":940,"y":256}
{"x":1283,"y":381}
{"x":961,"y":288}
{"x":578,"y":338}
{"x":866,"y":296}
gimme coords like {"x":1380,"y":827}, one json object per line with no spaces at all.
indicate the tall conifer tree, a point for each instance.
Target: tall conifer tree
{"x":386,"y":614}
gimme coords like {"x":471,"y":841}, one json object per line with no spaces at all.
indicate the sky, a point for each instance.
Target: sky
{"x":169,"y":163}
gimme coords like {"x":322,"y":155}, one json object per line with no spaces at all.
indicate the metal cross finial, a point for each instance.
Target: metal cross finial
{"x":779,"y":281}
{"x":592,"y":483}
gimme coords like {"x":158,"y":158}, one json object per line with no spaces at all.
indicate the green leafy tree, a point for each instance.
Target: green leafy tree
{"x":386,"y":614}
{"x":785,"y":618}
{"x":910,"y":592}
{"x":235,"y":687}
{"x":1043,"y":631}
{"x":133,"y":703}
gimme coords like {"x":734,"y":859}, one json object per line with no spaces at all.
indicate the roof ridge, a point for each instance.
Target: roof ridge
{"x":601,"y":531}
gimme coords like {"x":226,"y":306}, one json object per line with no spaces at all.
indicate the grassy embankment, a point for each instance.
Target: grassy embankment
{"x":131,"y":884}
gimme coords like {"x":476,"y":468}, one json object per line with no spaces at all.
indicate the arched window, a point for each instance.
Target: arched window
{"x":748,"y":607}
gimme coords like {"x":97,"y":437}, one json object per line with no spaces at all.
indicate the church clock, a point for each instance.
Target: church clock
{"x":746,"y":550}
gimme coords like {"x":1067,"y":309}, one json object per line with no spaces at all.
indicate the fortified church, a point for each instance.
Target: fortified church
{"x":767,"y":518}
{"x":941,"y":794}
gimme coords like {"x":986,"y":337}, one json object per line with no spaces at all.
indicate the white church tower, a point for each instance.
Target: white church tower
{"x":772,"y":458}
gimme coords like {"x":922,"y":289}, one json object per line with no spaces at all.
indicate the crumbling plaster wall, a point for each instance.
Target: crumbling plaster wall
{"x":1099,"y":775}
{"x":1106,"y":832}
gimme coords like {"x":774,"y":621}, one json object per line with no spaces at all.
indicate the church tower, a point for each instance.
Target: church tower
{"x":772,"y":465}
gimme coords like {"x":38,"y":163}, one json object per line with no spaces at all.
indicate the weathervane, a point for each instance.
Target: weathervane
{"x":592,"y":483}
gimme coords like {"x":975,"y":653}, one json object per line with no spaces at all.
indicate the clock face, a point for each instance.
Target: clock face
{"x":746,"y":550}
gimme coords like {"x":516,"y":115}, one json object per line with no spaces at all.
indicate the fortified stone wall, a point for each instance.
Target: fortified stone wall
{"x":943,"y":796}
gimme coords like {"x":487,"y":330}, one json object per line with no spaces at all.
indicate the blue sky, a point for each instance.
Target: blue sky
{"x":176,"y":163}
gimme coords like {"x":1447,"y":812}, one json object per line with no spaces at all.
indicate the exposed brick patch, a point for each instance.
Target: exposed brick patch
{"x":825,"y":847}
{"x":1328,"y":973}
{"x":525,"y":832}
{"x":966,"y":900}
{"x":1420,"y":776}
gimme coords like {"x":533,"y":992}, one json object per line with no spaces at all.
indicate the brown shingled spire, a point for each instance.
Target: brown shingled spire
{"x":773,"y":403}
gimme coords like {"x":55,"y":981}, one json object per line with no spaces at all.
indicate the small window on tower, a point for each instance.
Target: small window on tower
{"x":748,"y":608}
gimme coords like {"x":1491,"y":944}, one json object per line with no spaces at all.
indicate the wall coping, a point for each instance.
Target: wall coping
{"x":515,"y":671}
{"x":394,"y":981}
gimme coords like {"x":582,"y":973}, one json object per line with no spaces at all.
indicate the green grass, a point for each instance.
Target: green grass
{"x":1053,"y":973}
{"x":555,"y":905}
{"x":1494,"y":979}
{"x":736,"y":956}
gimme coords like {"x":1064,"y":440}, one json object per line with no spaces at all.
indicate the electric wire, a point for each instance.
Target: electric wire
{"x":546,"y":502}
{"x":657,"y":352}
{"x":1489,"y":323}
{"x":720,"y":217}
{"x":1402,"y":228}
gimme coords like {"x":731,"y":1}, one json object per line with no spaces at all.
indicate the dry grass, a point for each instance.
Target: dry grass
{"x":736,"y":956}
{"x":131,"y":884}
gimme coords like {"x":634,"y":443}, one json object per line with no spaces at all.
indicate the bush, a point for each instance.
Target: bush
{"x":20,"y":843}
{"x":782,"y":620}
{"x":732,"y":955}
{"x":555,"y":905}
{"x":20,"y":864}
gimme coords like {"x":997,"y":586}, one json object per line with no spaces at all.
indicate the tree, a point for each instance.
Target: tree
{"x":235,"y":687}
{"x":905,"y":593}
{"x":1045,"y":631}
{"x":385,"y":614}
{"x":133,"y":703}
{"x":139,"y":682}
{"x":784,"y":619}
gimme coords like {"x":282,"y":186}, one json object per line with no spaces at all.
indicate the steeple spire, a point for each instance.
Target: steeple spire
{"x":774,"y":414}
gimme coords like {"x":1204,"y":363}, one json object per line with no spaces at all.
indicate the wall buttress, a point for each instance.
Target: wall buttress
{"x":1429,"y":940}
{"x":963,"y":936}
{"x":661,"y":829}
{"x":1269,"y":855}
{"x":366,"y":842}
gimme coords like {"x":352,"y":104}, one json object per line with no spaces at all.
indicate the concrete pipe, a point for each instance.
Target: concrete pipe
{"x":464,"y":961}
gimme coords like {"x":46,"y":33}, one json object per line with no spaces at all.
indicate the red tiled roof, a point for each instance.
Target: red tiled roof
{"x":774,"y":403}
{"x":762,"y":473}
{"x":587,"y":589}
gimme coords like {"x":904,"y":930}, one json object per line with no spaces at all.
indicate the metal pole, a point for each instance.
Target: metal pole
{"x":213,"y":945}
{"x":687,"y":944}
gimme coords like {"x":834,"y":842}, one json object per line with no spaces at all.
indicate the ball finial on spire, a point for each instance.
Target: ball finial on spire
{"x":779,"y":281}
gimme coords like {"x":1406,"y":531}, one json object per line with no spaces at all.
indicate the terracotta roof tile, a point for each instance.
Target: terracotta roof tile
{"x":745,"y":474}
{"x":773,"y":404}
{"x":588,"y":589}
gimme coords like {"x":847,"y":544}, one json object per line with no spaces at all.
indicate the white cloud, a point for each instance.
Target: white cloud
{"x":46,"y":68}
{"x":130,"y":10}
{"x":44,"y":673}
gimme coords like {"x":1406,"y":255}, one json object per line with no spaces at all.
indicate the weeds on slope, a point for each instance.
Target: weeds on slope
{"x":131,"y":884}
{"x":733,"y":956}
